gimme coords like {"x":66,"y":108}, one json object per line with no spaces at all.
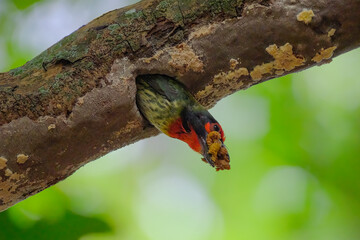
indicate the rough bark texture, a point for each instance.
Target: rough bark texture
{"x":76,"y":101}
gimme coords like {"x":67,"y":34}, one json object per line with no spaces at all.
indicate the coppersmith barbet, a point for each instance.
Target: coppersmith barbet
{"x":167,"y":105}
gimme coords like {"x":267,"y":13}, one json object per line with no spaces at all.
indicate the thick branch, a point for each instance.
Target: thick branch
{"x":76,"y":101}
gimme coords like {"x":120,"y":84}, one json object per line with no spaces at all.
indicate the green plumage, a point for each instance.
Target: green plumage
{"x":161,"y":100}
{"x":167,"y":105}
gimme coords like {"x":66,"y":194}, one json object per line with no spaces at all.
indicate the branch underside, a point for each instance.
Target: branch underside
{"x":76,"y":101}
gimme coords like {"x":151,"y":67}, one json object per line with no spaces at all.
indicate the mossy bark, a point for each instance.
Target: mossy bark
{"x":76,"y":100}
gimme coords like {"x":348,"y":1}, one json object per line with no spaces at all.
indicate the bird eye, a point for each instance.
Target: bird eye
{"x":216,"y":127}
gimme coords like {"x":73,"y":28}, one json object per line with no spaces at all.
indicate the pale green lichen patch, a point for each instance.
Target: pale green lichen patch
{"x":324,"y":54}
{"x":169,"y":10}
{"x":305,"y":16}
{"x":21,"y":158}
{"x":113,"y":28}
{"x":181,"y":12}
{"x":285,"y":60}
{"x":43,"y":91}
{"x":131,"y":11}
{"x":3,"y":163}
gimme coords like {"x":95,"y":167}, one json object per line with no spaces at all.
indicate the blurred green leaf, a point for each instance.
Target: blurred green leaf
{"x":295,"y":179}
{"x":23,"y":4}
{"x":70,"y":227}
{"x":50,"y":205}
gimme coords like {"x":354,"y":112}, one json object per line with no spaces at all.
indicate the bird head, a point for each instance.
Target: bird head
{"x":193,"y":127}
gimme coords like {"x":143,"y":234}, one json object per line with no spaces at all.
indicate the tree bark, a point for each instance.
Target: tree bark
{"x":76,"y":101}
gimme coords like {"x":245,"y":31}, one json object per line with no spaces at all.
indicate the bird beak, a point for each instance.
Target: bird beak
{"x":194,"y":123}
{"x":205,"y":150}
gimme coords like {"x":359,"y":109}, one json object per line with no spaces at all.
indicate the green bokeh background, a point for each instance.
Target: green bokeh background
{"x":294,"y":145}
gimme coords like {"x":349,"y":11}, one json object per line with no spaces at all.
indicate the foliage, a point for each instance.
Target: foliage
{"x":294,"y":145}
{"x":23,"y":4}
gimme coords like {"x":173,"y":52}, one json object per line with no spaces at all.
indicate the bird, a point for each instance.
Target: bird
{"x":168,"y":106}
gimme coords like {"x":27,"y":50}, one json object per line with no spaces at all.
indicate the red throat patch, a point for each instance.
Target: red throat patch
{"x":176,"y":130}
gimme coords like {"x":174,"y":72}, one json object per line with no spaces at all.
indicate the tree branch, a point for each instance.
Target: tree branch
{"x":76,"y":101}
